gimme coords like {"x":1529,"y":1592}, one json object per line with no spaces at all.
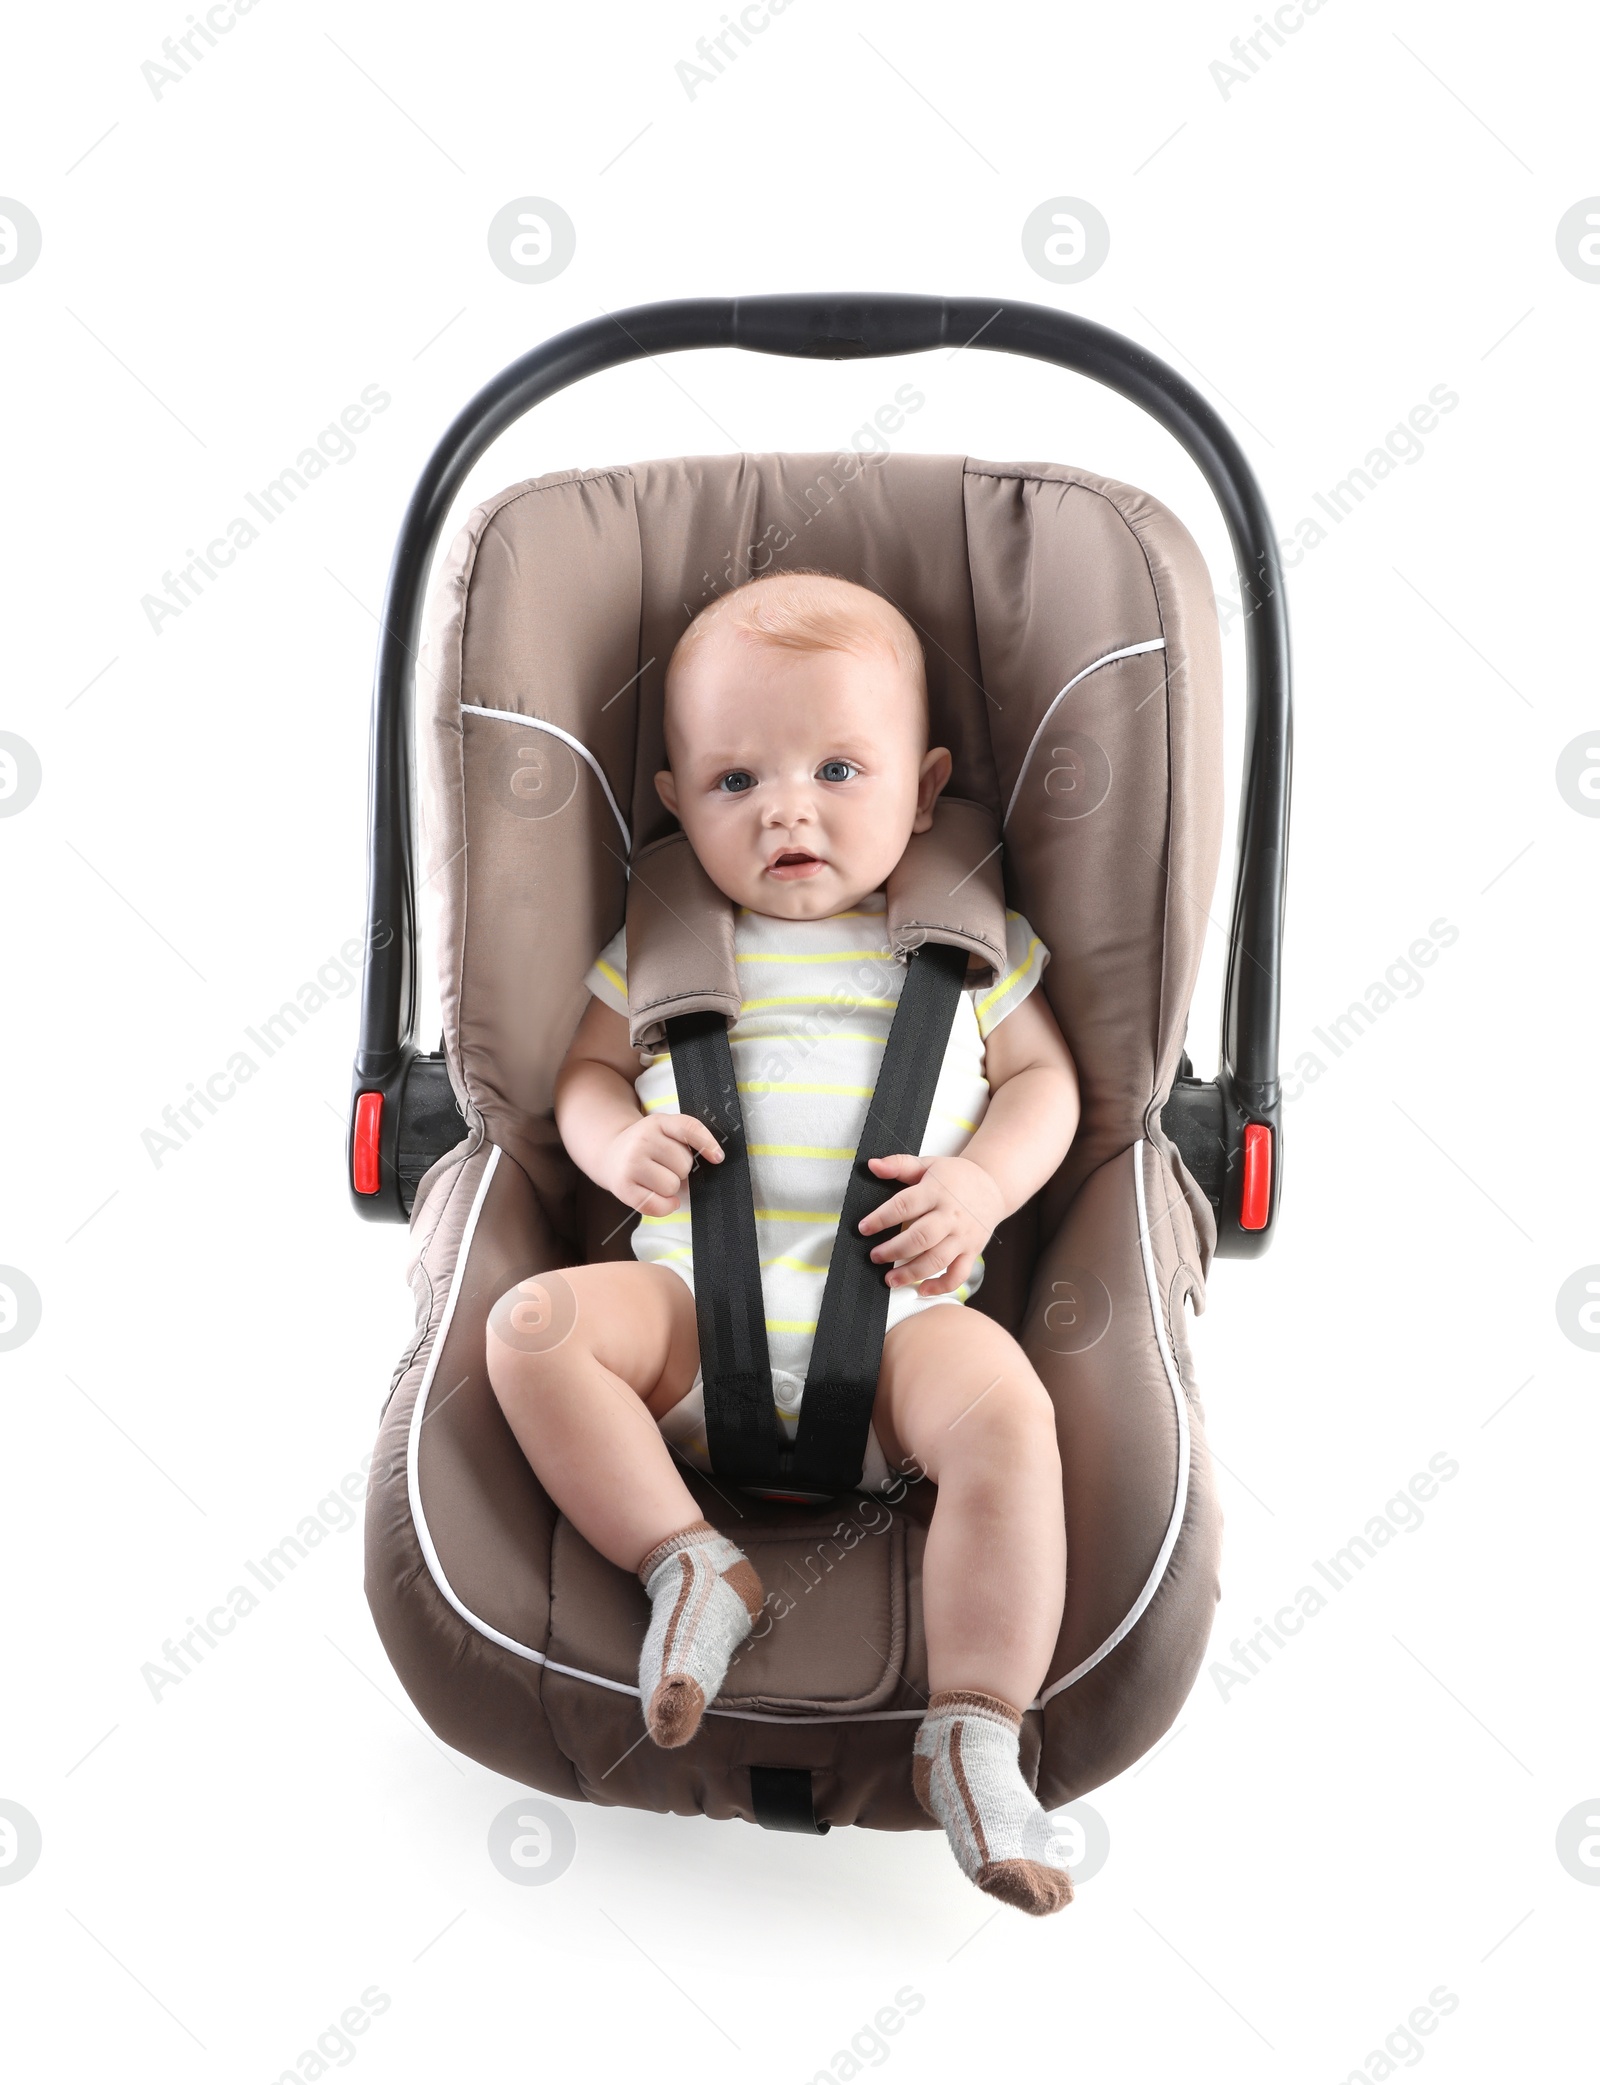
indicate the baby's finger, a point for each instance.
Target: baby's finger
{"x":922,"y":1268}
{"x":953,"y":1276}
{"x":690,"y":1130}
{"x":901,"y":1208}
{"x":923,"y":1236}
{"x":650,"y":1178}
{"x":648,"y":1204}
{"x":923,"y":1224}
{"x":666,"y":1152}
{"x":900,"y":1165}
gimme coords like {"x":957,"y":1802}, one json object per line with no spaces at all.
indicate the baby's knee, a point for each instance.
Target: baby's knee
{"x":525,"y":1330}
{"x":1021,"y":1422}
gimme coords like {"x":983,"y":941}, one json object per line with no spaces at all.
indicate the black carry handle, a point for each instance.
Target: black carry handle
{"x":1245,"y":1091}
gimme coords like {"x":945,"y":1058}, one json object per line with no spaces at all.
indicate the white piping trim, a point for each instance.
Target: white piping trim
{"x":419,"y":1413}
{"x":1181,"y":1405}
{"x":1128,"y":651}
{"x":523,"y":1650}
{"x":512,"y":716}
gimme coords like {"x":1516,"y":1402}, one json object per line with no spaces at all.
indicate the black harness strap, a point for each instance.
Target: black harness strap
{"x":847,"y":1350}
{"x":743,"y":1432}
{"x":744,"y":1435}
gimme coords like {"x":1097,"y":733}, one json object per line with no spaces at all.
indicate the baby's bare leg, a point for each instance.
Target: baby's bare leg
{"x":959,"y":1400}
{"x":582,"y":1399}
{"x":584,"y":1410}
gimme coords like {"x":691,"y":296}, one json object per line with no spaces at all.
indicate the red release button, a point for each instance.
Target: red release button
{"x":364,"y":1145}
{"x":1256,"y":1196}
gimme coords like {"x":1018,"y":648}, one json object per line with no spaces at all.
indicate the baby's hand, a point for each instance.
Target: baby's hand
{"x":949,"y":1207}
{"x":647,"y":1164}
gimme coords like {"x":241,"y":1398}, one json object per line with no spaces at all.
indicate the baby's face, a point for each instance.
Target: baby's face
{"x":798,"y":777}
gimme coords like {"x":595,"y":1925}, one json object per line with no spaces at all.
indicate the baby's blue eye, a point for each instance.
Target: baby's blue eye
{"x":837,"y":770}
{"x":737,"y":782}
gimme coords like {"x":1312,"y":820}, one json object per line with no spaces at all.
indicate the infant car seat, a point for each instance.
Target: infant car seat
{"x":1074,"y":670}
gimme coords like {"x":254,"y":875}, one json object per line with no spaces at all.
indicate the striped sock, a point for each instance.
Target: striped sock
{"x":704,"y":1598}
{"x":965,"y":1774}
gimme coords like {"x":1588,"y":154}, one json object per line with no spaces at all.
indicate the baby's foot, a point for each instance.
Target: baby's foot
{"x":704,"y":1598}
{"x":966,"y":1775}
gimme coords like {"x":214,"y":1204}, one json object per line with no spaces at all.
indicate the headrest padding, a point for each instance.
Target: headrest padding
{"x":680,"y":942}
{"x":948,"y":887}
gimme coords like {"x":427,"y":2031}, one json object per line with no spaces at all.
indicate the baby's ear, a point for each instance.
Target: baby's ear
{"x":667,"y":790}
{"x":934,"y":774}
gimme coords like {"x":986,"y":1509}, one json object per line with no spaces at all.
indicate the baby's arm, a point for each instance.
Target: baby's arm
{"x":949,"y":1206}
{"x":642,"y":1159}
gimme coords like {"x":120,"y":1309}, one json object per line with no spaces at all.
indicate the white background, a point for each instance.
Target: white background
{"x":226,"y":1869}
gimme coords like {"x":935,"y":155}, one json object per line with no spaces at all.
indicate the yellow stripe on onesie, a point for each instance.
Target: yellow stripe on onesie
{"x":817,"y":999}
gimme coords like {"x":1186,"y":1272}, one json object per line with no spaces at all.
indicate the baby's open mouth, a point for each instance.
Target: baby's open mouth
{"x":794,"y":863}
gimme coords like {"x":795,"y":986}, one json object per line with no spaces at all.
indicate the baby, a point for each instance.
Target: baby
{"x":798,"y":767}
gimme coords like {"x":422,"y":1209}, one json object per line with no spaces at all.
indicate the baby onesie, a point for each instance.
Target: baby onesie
{"x":816,"y":1000}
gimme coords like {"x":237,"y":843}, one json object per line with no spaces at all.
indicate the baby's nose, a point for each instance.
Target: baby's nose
{"x":791,"y":802}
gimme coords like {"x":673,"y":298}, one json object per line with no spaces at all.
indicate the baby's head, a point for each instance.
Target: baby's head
{"x":797,"y":742}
